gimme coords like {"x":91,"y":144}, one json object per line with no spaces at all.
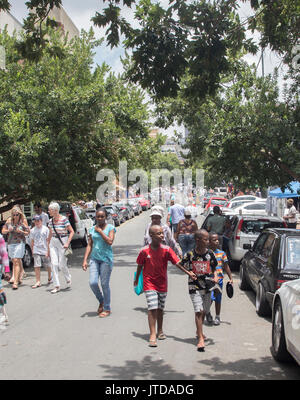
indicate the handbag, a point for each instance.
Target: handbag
{"x":139,"y":289}
{"x":69,"y":250}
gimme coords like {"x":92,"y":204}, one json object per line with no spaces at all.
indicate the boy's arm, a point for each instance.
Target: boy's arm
{"x":191,"y":274}
{"x":228,"y":272}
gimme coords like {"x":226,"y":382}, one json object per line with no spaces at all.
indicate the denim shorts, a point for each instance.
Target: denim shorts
{"x":16,"y":250}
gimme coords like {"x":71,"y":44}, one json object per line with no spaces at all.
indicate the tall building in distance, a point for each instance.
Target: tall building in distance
{"x":10,"y":22}
{"x":58,"y":14}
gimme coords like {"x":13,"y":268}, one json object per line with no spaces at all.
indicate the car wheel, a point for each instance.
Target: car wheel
{"x":278,"y":348}
{"x":261,"y":305}
{"x":84,"y":241}
{"x":27,"y":259}
{"x":243,"y":285}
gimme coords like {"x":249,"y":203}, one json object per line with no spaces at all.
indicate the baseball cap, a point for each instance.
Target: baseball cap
{"x":229,"y":290}
{"x":187,"y":211}
{"x":37,"y":218}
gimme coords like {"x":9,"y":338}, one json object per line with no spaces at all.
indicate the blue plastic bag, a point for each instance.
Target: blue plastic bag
{"x":139,"y":289}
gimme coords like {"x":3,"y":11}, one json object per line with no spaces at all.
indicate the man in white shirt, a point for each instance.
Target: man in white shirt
{"x":290,"y":216}
{"x":38,"y":211}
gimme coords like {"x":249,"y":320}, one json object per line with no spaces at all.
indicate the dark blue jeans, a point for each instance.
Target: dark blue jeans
{"x":186,"y":242}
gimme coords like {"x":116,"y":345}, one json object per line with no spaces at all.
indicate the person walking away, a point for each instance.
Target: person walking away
{"x":177,"y":214}
{"x":152,"y":262}
{"x":185,"y":232}
{"x":221,"y":257}
{"x":203,"y":263}
{"x":40,"y":246}
{"x":101,"y":238}
{"x":17,"y":229}
{"x":291,"y":214}
{"x":39,"y":211}
{"x":5,"y":270}
{"x":157,"y":212}
{"x":216,"y":223}
{"x":227,"y":236}
{"x":61,"y":236}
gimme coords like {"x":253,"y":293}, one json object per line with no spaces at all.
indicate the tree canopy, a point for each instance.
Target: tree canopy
{"x":60,"y":122}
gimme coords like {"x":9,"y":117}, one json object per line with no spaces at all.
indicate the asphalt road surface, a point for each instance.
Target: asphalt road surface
{"x":61,"y":337}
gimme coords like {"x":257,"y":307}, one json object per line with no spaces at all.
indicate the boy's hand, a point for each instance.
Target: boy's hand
{"x":192,"y":275}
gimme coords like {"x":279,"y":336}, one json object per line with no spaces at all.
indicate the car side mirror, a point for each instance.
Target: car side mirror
{"x":247,"y":246}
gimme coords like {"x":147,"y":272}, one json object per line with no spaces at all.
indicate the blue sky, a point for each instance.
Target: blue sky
{"x":81,"y":12}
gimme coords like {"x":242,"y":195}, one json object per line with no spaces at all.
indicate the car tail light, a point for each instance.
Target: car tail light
{"x":239,"y":228}
{"x":114,"y":215}
{"x":279,"y":282}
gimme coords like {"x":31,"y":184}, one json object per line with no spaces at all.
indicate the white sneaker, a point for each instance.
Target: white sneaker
{"x":55,"y":290}
{"x":217,"y":321}
{"x":69,"y":283}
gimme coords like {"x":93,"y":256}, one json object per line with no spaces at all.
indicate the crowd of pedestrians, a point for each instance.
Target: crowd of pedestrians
{"x":198,"y":253}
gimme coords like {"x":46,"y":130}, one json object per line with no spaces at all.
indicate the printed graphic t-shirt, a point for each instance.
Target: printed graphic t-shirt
{"x":155,"y":263}
{"x":222,"y":259}
{"x":39,"y":237}
{"x":201,"y":264}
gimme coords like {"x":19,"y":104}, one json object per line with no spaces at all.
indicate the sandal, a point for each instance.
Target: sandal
{"x":36,"y":285}
{"x":100,"y":308}
{"x":14,"y":286}
{"x":55,"y":290}
{"x":152,"y":343}
{"x":104,"y":314}
{"x":161,"y":336}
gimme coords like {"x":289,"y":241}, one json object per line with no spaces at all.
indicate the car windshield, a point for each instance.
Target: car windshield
{"x":218,"y":202}
{"x":257,"y":226}
{"x":293,"y":253}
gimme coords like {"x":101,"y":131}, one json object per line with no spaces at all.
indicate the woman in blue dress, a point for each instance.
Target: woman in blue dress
{"x":101,"y":237}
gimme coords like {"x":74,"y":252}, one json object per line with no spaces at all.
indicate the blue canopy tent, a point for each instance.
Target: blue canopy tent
{"x":295,"y":186}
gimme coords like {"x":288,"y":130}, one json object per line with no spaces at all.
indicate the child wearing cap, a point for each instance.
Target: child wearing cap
{"x":40,"y":237}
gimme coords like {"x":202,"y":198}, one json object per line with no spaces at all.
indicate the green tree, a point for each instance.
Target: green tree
{"x":60,"y":122}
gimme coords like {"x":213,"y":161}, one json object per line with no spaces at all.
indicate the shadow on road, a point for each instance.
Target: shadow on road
{"x":252,"y":297}
{"x":145,"y":310}
{"x":148,"y":368}
{"x":248,"y":368}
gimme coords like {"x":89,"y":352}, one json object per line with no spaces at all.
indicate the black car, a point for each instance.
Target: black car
{"x":115,"y":213}
{"x":274,"y":259}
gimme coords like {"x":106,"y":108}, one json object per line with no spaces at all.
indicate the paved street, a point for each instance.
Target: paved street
{"x":60,"y":336}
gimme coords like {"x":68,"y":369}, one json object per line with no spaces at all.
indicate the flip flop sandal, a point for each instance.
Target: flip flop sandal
{"x":36,"y":285}
{"x":104,"y":314}
{"x":161,"y":336}
{"x":152,"y":343}
{"x":14,"y":286}
{"x":100,"y":308}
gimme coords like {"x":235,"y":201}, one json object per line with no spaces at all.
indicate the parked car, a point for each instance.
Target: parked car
{"x":145,"y":203}
{"x":216,"y":201}
{"x":206,"y":198}
{"x":273,"y":260}
{"x":79,"y":220}
{"x":245,"y":230}
{"x":91,"y":212}
{"x":286,"y":320}
{"x":248,"y":197}
{"x":137,"y":208}
{"x":125,"y":204}
{"x":221,"y":191}
{"x":115,"y":213}
{"x":231,"y":205}
{"x":125,"y":214}
{"x":252,"y":208}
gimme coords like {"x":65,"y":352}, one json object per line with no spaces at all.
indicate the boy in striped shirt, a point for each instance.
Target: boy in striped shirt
{"x":221,"y":257}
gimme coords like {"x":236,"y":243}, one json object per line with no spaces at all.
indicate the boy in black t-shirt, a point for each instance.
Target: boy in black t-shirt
{"x":203,"y":263}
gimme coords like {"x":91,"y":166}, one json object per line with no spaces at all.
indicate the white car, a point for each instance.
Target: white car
{"x":286,"y":322}
{"x":83,"y":224}
{"x":252,"y":208}
{"x":248,"y":197}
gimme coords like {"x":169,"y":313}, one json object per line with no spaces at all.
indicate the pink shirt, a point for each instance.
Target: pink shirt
{"x":3,"y":255}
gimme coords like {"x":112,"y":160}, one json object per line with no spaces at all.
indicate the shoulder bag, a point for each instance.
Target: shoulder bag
{"x":69,"y":250}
